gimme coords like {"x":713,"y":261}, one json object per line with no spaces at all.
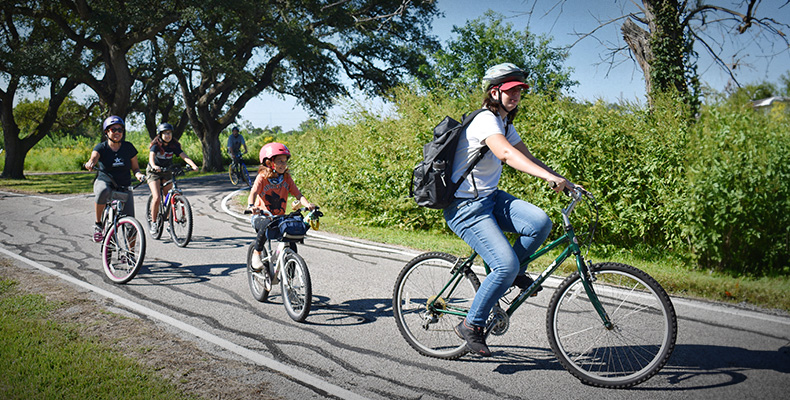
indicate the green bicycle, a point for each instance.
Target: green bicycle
{"x":609,"y":324}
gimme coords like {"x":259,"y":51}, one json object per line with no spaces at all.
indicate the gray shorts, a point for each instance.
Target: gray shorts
{"x":101,"y":195}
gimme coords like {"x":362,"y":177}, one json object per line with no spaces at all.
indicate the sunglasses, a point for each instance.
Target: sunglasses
{"x":117,"y":130}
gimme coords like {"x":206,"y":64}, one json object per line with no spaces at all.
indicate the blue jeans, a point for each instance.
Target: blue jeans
{"x":481,"y":223}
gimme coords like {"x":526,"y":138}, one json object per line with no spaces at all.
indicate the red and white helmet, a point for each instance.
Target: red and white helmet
{"x":269,"y":150}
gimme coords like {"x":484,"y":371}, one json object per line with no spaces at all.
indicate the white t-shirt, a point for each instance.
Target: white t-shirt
{"x":488,"y":170}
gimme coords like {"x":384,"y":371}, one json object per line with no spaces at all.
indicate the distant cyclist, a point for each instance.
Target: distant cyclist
{"x":117,"y":157}
{"x":270,"y":192}
{"x":163,"y":148}
{"x":235,"y":143}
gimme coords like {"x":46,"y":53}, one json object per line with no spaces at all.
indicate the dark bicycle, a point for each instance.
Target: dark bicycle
{"x":173,"y":209}
{"x":609,"y":324}
{"x":237,"y":171}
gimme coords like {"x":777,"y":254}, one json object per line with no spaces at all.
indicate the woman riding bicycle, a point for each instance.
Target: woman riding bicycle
{"x":270,"y":193}
{"x":163,"y":148}
{"x":117,"y":157}
{"x":482,"y":213}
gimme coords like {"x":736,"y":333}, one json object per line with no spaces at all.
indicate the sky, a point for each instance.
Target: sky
{"x":597,"y":80}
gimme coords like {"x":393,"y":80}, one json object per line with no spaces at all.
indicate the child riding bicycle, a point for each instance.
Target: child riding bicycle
{"x":163,"y":148}
{"x":269,"y":193}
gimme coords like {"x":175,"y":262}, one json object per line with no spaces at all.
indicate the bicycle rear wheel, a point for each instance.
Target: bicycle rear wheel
{"x":123,"y":250}
{"x":180,"y":220}
{"x":160,"y":228}
{"x":260,"y":282}
{"x":296,"y":286}
{"x":635,"y":349}
{"x":430,"y":329}
{"x":246,"y":175}
{"x":233,"y":175}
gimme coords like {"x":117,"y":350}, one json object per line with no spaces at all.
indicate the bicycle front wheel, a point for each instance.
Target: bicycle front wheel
{"x":425,"y":315}
{"x":634,"y":349}
{"x":296,"y":286}
{"x":123,"y":250}
{"x":245,"y":175}
{"x":233,"y":175}
{"x":181,"y":221}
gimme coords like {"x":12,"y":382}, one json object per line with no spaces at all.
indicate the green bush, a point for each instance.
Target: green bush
{"x":739,"y":191}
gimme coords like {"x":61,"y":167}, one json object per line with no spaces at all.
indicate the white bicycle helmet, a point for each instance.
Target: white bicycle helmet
{"x":505,"y":75}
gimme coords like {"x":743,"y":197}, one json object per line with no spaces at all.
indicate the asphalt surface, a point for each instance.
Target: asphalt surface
{"x":350,"y":345}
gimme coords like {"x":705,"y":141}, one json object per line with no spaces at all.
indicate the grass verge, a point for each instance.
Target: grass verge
{"x":43,"y":359}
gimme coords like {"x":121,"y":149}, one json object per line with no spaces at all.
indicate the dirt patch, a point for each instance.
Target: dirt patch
{"x":190,"y":368}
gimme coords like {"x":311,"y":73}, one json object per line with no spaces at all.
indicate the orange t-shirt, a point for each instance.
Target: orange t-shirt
{"x":274,"y":196}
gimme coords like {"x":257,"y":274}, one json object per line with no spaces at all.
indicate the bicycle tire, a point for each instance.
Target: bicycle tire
{"x":180,"y":220}
{"x":123,"y":250}
{"x":432,"y":333}
{"x":260,"y":282}
{"x":635,"y":349}
{"x":158,"y":234}
{"x":246,"y":175}
{"x":296,"y":286}
{"x":234,"y":178}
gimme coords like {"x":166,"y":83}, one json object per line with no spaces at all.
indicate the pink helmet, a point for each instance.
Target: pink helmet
{"x":272,"y":149}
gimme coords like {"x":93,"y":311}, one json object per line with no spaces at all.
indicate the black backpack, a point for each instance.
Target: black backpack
{"x":431,"y":184}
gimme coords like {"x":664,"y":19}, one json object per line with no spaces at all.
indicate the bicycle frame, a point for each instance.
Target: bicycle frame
{"x":167,"y":200}
{"x":571,"y":248}
{"x":113,"y":212}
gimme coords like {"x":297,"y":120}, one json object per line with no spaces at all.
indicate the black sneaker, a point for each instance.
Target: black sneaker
{"x":523,"y":282}
{"x":475,"y":338}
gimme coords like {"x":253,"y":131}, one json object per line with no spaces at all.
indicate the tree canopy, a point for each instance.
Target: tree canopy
{"x":218,"y":54}
{"x":487,"y":41}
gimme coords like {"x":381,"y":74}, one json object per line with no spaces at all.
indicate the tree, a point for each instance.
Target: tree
{"x":157,"y":97}
{"x":488,"y":41}
{"x":23,"y":41}
{"x":232,"y":52}
{"x":663,"y":34}
{"x":108,"y":30}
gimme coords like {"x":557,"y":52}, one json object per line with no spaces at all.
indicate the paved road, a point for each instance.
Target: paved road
{"x":350,"y":345}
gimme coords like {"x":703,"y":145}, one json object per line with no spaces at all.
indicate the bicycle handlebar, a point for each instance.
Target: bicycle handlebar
{"x":176,"y":169}
{"x":298,"y":211}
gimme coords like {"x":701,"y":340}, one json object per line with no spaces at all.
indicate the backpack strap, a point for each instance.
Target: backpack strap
{"x":465,"y":121}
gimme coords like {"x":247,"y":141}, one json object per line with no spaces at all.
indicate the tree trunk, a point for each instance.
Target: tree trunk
{"x":14,"y":156}
{"x":663,"y":65}
{"x":212,"y":152}
{"x":16,"y":147}
{"x":638,"y":41}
